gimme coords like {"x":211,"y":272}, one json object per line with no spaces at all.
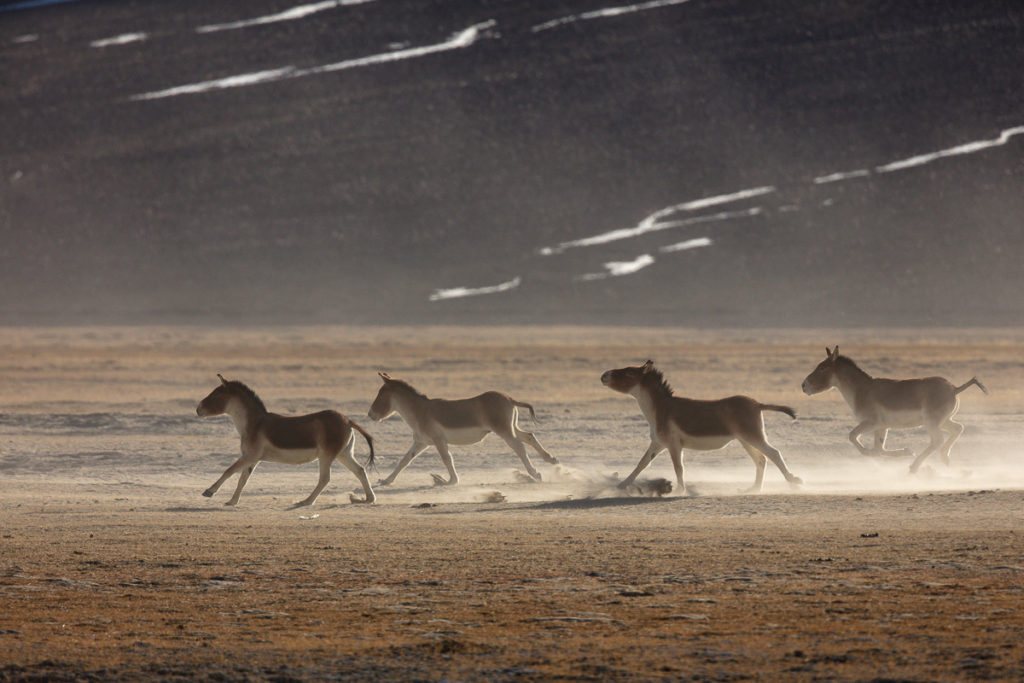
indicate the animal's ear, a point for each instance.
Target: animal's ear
{"x":648,"y":366}
{"x":221,"y":377}
{"x":385,"y":376}
{"x":835,"y":352}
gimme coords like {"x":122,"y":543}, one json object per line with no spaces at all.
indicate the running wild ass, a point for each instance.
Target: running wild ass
{"x":883,"y":404}
{"x":438,"y":422}
{"x":321,"y":436}
{"x":679,"y":423}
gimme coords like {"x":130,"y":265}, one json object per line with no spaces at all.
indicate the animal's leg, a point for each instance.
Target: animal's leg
{"x":346,"y":459}
{"x":865,"y":426}
{"x":880,"y":448}
{"x":243,"y":478}
{"x":759,"y":462}
{"x":645,"y":460}
{"x":675,"y":451}
{"x":235,"y":466}
{"x":529,"y":439}
{"x":446,"y":457}
{"x":414,"y":450}
{"x":772,"y":453}
{"x":954,"y":429}
{"x":936,"y":440}
{"x":324,"y":461}
{"x":517,"y":446}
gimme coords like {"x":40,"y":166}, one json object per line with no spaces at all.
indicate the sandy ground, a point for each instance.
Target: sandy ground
{"x":112,"y":566}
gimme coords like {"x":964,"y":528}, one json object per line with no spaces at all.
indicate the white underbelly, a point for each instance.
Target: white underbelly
{"x":298,"y":456}
{"x":465,"y":435}
{"x":705,"y":443}
{"x":700,"y":443}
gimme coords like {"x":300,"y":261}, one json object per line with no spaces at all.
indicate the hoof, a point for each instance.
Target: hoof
{"x":383,"y":482}
{"x":796,"y":482}
{"x":208,"y":493}
{"x":360,"y":501}
{"x":441,"y":481}
{"x":231,"y":503}
{"x":656,"y":487}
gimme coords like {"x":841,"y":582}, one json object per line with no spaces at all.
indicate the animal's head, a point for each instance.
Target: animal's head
{"x":628,"y":378}
{"x":824,"y":376}
{"x":216,"y":402}
{"x":383,"y":406}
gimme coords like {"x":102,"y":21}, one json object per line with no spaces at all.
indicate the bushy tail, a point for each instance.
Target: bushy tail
{"x":973,"y":380}
{"x":520,"y":404}
{"x":780,"y":409}
{"x":369,"y":441}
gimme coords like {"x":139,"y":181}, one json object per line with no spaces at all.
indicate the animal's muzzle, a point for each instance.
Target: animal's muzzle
{"x":606,"y":377}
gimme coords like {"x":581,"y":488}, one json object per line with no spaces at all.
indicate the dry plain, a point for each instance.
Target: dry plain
{"x":113,"y":567}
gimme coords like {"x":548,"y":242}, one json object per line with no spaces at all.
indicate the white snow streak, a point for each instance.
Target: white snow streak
{"x":459,"y":292}
{"x":123,"y":39}
{"x":846,"y":175}
{"x":298,"y":12}
{"x":656,"y":221}
{"x":922,"y":159}
{"x":967,"y":148}
{"x":620,"y":268}
{"x":219,"y":84}
{"x":712,"y":218}
{"x":460,"y":40}
{"x":605,"y":13}
{"x":688,"y":244}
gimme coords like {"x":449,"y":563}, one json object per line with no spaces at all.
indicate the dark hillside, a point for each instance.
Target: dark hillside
{"x":352,"y":193}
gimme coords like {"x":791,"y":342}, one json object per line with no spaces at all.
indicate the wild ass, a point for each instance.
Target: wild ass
{"x":321,"y":436}
{"x":679,"y":423}
{"x":438,"y":422}
{"x":883,"y":404}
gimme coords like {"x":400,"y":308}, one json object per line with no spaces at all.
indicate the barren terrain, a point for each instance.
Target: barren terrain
{"x":112,"y":566}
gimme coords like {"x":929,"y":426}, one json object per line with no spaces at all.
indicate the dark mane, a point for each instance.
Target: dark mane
{"x":654,"y":380}
{"x":847,"y":361}
{"x":408,"y":387}
{"x":246,"y":393}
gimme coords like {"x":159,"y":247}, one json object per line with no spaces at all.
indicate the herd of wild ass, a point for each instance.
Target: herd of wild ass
{"x":676,"y":423}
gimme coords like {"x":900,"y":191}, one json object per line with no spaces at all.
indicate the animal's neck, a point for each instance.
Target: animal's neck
{"x":404,"y":403}
{"x":647,"y":401}
{"x":241,"y":414}
{"x":850,"y":379}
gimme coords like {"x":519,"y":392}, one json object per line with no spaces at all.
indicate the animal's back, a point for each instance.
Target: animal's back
{"x":909,"y":394}
{"x":306,"y":431}
{"x":906,"y":403}
{"x":456,"y":413}
{"x":698,"y":417}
